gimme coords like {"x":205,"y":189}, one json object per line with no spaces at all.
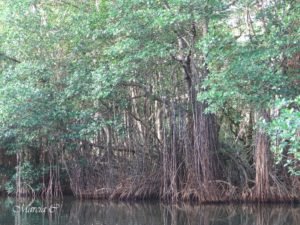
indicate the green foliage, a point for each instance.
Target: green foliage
{"x":284,"y":131}
{"x":68,"y":70}
{"x":249,"y":70}
{"x":30,"y":175}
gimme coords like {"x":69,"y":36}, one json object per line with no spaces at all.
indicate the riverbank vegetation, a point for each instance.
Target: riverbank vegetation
{"x":177,"y":100}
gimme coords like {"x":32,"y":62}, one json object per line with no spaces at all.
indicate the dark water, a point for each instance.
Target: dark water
{"x":75,"y":212}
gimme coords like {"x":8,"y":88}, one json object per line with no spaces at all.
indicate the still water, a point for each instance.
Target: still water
{"x":75,"y":212}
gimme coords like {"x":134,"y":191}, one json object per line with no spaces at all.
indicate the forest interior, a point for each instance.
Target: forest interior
{"x":173,"y":100}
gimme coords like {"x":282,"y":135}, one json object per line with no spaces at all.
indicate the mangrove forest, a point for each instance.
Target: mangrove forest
{"x":170,"y":100}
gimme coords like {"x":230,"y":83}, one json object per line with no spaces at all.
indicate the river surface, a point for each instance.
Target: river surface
{"x":88,"y":212}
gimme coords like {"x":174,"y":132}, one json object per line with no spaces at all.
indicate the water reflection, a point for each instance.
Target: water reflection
{"x":74,"y":212}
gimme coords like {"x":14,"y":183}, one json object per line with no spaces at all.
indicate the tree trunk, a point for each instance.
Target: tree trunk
{"x":203,"y":127}
{"x":262,"y":164}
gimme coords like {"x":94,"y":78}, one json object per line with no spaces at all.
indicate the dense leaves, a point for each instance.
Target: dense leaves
{"x":107,"y":89}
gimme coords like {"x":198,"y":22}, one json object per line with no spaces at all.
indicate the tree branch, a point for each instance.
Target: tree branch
{"x":9,"y":58}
